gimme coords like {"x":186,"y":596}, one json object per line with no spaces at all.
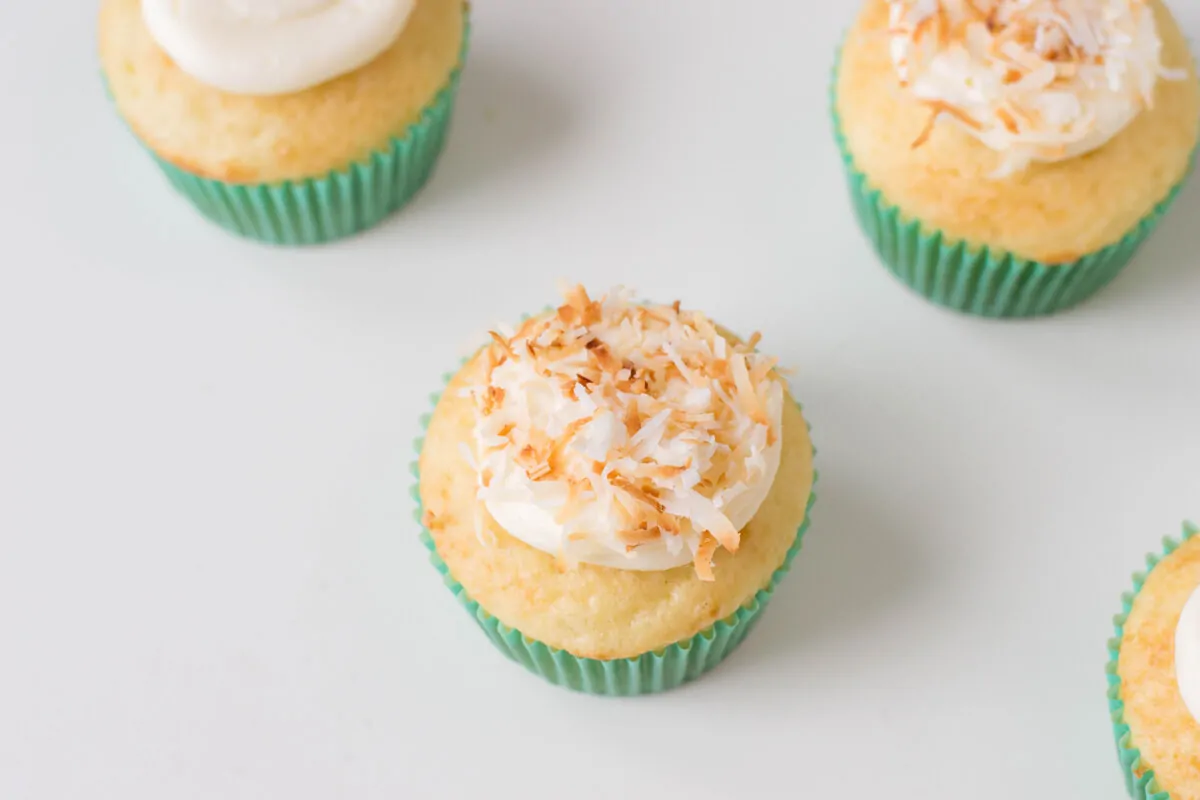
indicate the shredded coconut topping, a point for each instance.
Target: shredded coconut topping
{"x":625,"y":435}
{"x":1038,"y":80}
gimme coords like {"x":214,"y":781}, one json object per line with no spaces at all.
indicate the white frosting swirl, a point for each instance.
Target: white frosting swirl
{"x":271,"y":47}
{"x":626,"y":436}
{"x":1038,"y":80}
{"x":1187,"y":654}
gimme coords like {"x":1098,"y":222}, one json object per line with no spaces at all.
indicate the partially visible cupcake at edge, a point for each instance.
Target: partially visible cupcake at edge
{"x":1154,"y":676}
{"x":613,"y":490}
{"x":1007,"y":157}
{"x":289,"y":121}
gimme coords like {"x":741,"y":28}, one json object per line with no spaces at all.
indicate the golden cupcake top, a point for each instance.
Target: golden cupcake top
{"x":626,"y":435}
{"x":1187,"y":654}
{"x":1039,"y":80}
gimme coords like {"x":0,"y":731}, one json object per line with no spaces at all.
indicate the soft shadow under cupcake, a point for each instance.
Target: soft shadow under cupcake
{"x":510,"y":117}
{"x":859,"y":564}
{"x":1164,"y":270}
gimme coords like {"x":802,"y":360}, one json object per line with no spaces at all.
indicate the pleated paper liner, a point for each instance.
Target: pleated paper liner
{"x":1140,"y":781}
{"x":982,"y":281}
{"x":648,"y":673}
{"x":337,"y":205}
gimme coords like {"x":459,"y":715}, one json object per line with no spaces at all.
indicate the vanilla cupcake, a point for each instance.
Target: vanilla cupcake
{"x":1154,"y":676}
{"x":1008,"y":157}
{"x":288,"y":121}
{"x":613,"y":490}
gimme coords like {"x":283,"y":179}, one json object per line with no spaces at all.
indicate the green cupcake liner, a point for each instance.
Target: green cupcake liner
{"x":1140,"y":780}
{"x":648,"y":673}
{"x":339,"y":204}
{"x":982,"y":281}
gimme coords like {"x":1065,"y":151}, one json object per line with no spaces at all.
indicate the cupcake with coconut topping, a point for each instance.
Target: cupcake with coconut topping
{"x":1008,"y":157}
{"x":614,"y":489}
{"x":1154,"y":675}
{"x":288,"y":121}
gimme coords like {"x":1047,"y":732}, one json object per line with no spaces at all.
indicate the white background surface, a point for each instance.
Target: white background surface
{"x":210,"y":581}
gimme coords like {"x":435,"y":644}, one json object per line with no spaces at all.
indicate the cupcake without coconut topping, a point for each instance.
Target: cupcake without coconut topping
{"x":612,"y":480}
{"x":1154,"y":676}
{"x":290,"y":121}
{"x":989,"y":143}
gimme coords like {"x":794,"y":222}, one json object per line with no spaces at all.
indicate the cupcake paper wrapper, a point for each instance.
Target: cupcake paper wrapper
{"x":648,"y":673}
{"x":1140,"y":781}
{"x":340,"y":204}
{"x":983,"y":282}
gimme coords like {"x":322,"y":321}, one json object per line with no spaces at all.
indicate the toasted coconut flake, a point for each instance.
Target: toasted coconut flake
{"x":539,"y":472}
{"x":636,"y":492}
{"x":604,"y":357}
{"x":492,"y":398}
{"x":528,"y":329}
{"x":504,"y":346}
{"x":762,"y":370}
{"x":586,"y":309}
{"x":577,"y":298}
{"x":746,"y":395}
{"x":1009,"y":121}
{"x":704,"y":558}
{"x":724,"y":532}
{"x":636,"y":537}
{"x":632,"y":420}
{"x":927,"y":131}
{"x":666,"y":473}
{"x":669,"y":524}
{"x":940,"y":107}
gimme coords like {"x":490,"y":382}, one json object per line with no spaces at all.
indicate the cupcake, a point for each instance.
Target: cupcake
{"x":1007,"y":157}
{"x":1154,"y":676}
{"x":288,"y":121}
{"x":613,"y":491}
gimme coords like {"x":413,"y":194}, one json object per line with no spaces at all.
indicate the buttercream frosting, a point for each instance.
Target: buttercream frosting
{"x":625,"y":435}
{"x":1037,"y":80}
{"x":1187,"y":654}
{"x":271,"y":47}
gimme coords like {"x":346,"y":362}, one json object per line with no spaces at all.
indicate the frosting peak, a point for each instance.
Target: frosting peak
{"x":1038,"y":80}
{"x":625,"y":435}
{"x":270,"y":47}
